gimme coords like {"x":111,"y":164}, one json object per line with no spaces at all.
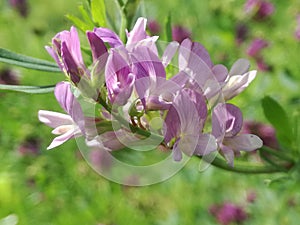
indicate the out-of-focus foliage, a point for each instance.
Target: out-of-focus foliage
{"x":58,"y":187}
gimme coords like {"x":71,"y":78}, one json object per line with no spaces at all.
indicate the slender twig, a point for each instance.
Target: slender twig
{"x":277,"y":153}
{"x":248,"y":168}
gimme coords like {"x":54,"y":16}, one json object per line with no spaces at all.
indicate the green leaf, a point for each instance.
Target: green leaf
{"x":278,"y":117}
{"x":27,"y":89}
{"x":78,"y":22}
{"x":13,"y":58}
{"x":168,"y":28}
{"x":86,"y":15}
{"x":98,"y":12}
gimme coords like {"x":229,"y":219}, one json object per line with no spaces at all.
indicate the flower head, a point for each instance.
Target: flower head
{"x":66,"y":126}
{"x":227,"y":123}
{"x":66,"y":52}
{"x":228,"y":213}
{"x":259,"y":8}
{"x":179,"y":33}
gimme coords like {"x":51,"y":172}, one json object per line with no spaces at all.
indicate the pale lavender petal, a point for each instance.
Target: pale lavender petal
{"x":138,"y":32}
{"x":244,"y":142}
{"x":54,"y":55}
{"x":220,"y":72}
{"x":240,"y":67}
{"x":177,"y":154}
{"x":69,"y":103}
{"x":228,"y":154}
{"x":117,"y":72}
{"x":123,"y":93}
{"x":219,"y":121}
{"x":108,"y":36}
{"x":111,"y":140}
{"x":147,"y":64}
{"x":74,"y":46}
{"x":206,"y":145}
{"x":203,"y":54}
{"x":199,"y":103}
{"x":61,"y":139}
{"x":194,"y":62}
{"x":188,"y":113}
{"x":236,"y":84}
{"x":156,"y":103}
{"x":54,"y":119}
{"x":181,"y":78}
{"x":171,"y":127}
{"x":169,"y":53}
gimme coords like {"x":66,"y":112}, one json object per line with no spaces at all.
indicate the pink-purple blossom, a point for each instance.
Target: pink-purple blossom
{"x":228,"y":213}
{"x":69,"y":125}
{"x":297,"y":30}
{"x":180,"y":33}
{"x":259,"y":8}
{"x":132,"y":79}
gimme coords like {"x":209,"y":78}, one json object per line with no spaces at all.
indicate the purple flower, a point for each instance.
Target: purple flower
{"x":66,"y":52}
{"x":228,"y":213}
{"x":137,"y":36}
{"x":265,"y":10}
{"x":184,"y":123}
{"x":259,"y":8}
{"x":266,"y":132}
{"x":66,"y":126}
{"x":179,"y":33}
{"x":30,"y":146}
{"x":237,"y":79}
{"x":251,"y":196}
{"x":241,"y":33}
{"x":227,"y":122}
{"x":154,"y":27}
{"x":9,"y":77}
{"x":297,"y":31}
{"x":21,"y":6}
{"x":256,"y":46}
{"x":254,"y":50}
{"x":119,"y":77}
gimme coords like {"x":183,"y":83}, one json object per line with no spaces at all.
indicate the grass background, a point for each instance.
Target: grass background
{"x":59,"y":187}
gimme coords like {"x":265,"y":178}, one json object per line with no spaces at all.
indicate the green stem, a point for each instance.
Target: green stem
{"x":246,"y":167}
{"x":277,"y":153}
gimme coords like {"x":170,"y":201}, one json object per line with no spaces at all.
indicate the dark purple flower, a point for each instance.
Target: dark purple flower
{"x":259,"y":8}
{"x":154,"y":27}
{"x":228,"y":213}
{"x":9,"y":77}
{"x":265,"y":10}
{"x":256,"y":46}
{"x":251,"y":196}
{"x":30,"y":146}
{"x":266,"y":132}
{"x":21,"y":6}
{"x":262,"y":65}
{"x":66,"y":52}
{"x":179,"y":33}
{"x":241,"y":33}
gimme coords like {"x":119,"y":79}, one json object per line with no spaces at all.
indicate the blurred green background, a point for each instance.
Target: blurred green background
{"x":58,"y":186}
